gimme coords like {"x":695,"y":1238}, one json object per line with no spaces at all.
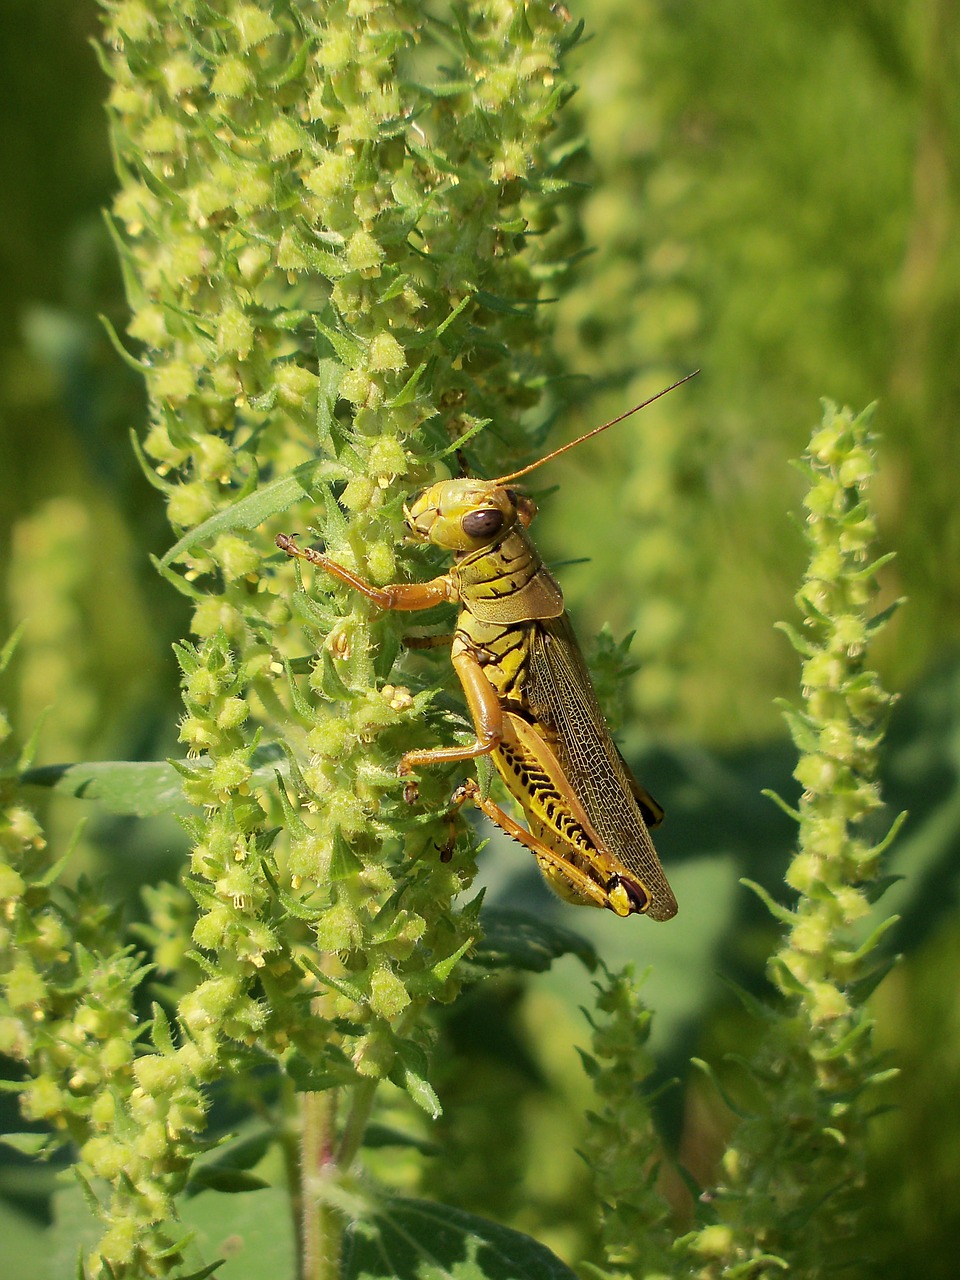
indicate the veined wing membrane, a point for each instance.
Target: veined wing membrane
{"x":561,"y":695}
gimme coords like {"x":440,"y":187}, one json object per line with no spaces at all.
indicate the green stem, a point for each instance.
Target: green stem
{"x":357,"y":1117}
{"x":290,"y":1146}
{"x":321,"y":1226}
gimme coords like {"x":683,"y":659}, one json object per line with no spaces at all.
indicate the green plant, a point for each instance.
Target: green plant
{"x":335,"y":250}
{"x":312,"y":217}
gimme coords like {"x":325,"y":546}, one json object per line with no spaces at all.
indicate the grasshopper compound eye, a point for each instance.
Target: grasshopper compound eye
{"x":483,"y":523}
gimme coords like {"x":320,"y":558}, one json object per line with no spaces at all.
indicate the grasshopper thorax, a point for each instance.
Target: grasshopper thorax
{"x":465,"y":515}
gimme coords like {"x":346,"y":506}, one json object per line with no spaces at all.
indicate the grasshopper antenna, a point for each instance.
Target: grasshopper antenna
{"x":515,"y":475}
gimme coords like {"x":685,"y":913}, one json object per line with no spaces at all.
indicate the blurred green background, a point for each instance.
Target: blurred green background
{"x":770,"y":193}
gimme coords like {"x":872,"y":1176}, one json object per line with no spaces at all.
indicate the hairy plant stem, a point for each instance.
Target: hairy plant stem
{"x":361,"y":1105}
{"x":321,"y":1224}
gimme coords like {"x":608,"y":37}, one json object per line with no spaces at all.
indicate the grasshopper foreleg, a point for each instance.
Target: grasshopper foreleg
{"x":482,"y":699}
{"x":410,"y":596}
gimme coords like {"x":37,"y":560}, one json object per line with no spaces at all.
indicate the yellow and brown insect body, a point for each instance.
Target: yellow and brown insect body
{"x":530,"y":698}
{"x":556,"y":754}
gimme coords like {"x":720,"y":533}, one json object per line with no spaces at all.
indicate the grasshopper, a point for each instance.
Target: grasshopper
{"x":529,"y":694}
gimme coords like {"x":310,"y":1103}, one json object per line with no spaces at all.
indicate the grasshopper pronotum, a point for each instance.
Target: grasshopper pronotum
{"x":530,"y":697}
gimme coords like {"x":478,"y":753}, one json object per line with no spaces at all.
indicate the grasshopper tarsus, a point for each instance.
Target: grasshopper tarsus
{"x":445,"y":850}
{"x":411,"y":792}
{"x":459,"y":798}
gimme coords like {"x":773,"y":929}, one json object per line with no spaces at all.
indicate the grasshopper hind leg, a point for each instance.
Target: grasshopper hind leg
{"x":566,"y":879}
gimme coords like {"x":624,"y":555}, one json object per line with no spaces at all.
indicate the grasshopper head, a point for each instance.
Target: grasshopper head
{"x":465,"y":515}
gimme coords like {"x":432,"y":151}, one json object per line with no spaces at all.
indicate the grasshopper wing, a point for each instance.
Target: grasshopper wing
{"x":562,"y":697}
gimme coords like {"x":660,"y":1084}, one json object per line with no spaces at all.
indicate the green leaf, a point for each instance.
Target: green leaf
{"x":880,"y":620}
{"x":871,"y":941}
{"x":781,"y":804}
{"x":883,"y":845}
{"x":238,"y":1153}
{"x":149,"y":472}
{"x":350,"y":350}
{"x":139,"y":366}
{"x":294,"y":824}
{"x":803,"y":730}
{"x":334,"y":526}
{"x":351,"y":990}
{"x":445,"y":89}
{"x":6,"y":653}
{"x":410,"y":1074}
{"x":467,"y":436}
{"x":161,"y":1035}
{"x":29,"y":751}
{"x":506,"y":306}
{"x":875,"y":890}
{"x":228,"y":1181}
{"x":868,"y":571}
{"x":329,"y":374}
{"x":251,"y":511}
{"x":300,"y":704}
{"x":381,"y":1135}
{"x":421,"y":1240}
{"x":331,"y":1071}
{"x":328,"y":264}
{"x":783,"y":914}
{"x":756,"y":1008}
{"x":344,"y":863}
{"x":445,"y":324}
{"x":485,"y":774}
{"x":294,"y":68}
{"x":177,"y":581}
{"x":409,"y":389}
{"x":800,"y":643}
{"x":566,"y":43}
{"x":516,"y":940}
{"x":206,"y":1271}
{"x":445,"y":967}
{"x":860,"y":990}
{"x":258,"y":1229}
{"x":140,"y":788}
{"x":35,"y":1145}
{"x":728,"y":1101}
